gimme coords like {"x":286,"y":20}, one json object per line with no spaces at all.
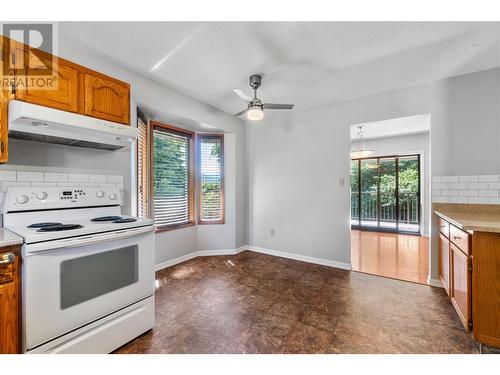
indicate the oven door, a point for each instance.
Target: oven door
{"x":72,"y":282}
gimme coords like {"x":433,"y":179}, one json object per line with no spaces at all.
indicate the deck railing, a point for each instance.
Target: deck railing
{"x":408,"y":207}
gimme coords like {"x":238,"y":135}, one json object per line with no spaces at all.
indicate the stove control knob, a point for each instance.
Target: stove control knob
{"x":22,"y":199}
{"x":112,"y":196}
{"x":41,"y":195}
{"x":100,"y":194}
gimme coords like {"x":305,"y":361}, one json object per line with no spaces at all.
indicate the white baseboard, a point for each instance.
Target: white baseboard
{"x":173,"y":262}
{"x":434,"y":282}
{"x":195,"y":254}
{"x":302,"y":258}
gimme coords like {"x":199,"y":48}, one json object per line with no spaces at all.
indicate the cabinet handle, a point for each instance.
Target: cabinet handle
{"x":442,"y":226}
{"x":7,"y":258}
{"x":457,"y":238}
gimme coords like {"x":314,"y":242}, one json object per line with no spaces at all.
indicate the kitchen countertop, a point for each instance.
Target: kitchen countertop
{"x":481,"y":218}
{"x":7,"y":238}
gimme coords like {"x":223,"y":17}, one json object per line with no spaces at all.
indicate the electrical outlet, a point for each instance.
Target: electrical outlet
{"x":342,"y":182}
{"x":273,"y":232}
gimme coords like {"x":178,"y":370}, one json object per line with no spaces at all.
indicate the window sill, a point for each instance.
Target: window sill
{"x":211,"y":222}
{"x":172,"y":227}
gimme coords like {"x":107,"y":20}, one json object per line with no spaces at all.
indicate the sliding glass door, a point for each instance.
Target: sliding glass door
{"x":385,"y":193}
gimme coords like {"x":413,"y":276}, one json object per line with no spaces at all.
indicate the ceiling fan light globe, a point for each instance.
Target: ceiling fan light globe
{"x":255,"y":113}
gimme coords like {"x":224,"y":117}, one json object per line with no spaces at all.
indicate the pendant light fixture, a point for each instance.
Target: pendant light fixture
{"x":360,"y":150}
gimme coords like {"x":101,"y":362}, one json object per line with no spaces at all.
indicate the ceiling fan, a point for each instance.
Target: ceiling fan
{"x":255,"y":108}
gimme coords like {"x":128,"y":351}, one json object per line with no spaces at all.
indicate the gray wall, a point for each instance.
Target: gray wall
{"x":295,"y":163}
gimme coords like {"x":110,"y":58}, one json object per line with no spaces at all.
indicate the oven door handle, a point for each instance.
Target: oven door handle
{"x":87,"y":240}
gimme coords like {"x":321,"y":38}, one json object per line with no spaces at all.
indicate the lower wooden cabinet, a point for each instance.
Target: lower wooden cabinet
{"x":460,"y":293}
{"x":486,"y":288}
{"x":444,"y":262}
{"x":10,"y":301}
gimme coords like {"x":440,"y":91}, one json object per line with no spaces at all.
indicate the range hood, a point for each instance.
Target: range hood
{"x":37,"y":123}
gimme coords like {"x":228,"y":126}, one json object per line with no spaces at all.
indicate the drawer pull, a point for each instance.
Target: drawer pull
{"x":457,"y":238}
{"x":442,"y":226}
{"x":7,"y":258}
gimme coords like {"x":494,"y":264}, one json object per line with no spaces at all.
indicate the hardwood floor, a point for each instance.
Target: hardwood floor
{"x":398,"y":256}
{"x":256,"y":303}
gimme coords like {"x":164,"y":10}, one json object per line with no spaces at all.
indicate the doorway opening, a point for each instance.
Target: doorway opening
{"x":390,"y":198}
{"x":385,"y":194}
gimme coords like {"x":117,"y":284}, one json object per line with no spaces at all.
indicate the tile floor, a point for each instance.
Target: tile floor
{"x":255,"y":303}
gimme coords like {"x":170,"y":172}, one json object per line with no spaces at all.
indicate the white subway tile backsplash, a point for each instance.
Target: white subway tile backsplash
{"x":56,"y":177}
{"x":30,"y":176}
{"x":440,"y":186}
{"x":478,"y":185}
{"x":98,"y":178}
{"x":468,"y":193}
{"x":468,"y":178}
{"x":458,"y":200}
{"x":488,"y":193}
{"x":44,"y":184}
{"x":436,"y":179}
{"x":115,"y":179}
{"x":449,"y":179}
{"x":8,"y":176}
{"x":478,"y":200}
{"x":449,"y":193}
{"x":441,"y":199}
{"x":78,"y":177}
{"x":484,"y":189}
{"x":489,"y":178}
{"x":458,"y":185}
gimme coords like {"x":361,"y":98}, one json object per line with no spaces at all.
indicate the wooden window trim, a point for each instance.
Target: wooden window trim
{"x":192,"y":137}
{"x":146,"y":169}
{"x":199,"y":137}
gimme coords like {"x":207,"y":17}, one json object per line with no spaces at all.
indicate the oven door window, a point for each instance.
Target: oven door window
{"x":91,"y":276}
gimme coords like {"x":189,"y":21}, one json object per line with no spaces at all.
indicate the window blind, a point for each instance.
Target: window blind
{"x":142,"y":169}
{"x":211,"y":189}
{"x":172,"y":177}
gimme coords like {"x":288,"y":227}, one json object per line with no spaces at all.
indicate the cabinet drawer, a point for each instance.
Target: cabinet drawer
{"x":461,"y":239}
{"x":444,"y":227}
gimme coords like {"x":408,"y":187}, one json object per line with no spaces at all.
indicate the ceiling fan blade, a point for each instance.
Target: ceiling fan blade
{"x":242,"y":95}
{"x":277,"y":106}
{"x":241,"y":112}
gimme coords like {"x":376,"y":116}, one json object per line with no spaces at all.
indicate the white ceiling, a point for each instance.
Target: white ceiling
{"x":393,"y":127}
{"x":309,"y":64}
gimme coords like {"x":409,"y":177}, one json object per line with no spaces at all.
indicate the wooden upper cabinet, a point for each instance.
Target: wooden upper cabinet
{"x":66,"y":82}
{"x":5,"y":97}
{"x":107,"y":98}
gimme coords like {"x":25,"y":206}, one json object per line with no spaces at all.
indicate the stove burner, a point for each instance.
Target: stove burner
{"x":60,"y":227}
{"x":107,"y":218}
{"x":43,"y":225}
{"x":125,"y":220}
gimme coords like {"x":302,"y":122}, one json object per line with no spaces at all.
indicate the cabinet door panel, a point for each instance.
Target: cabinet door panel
{"x":5,"y":97}
{"x":107,"y":98}
{"x":63,"y":95}
{"x":444,"y":262}
{"x":460,"y":284}
{"x":9,"y":305}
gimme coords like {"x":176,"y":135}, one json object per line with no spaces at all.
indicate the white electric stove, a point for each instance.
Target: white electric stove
{"x":87,"y":270}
